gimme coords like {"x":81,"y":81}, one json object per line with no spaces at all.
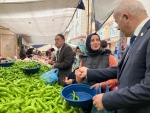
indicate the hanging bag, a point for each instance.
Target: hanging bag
{"x":50,"y":77}
{"x":94,"y":109}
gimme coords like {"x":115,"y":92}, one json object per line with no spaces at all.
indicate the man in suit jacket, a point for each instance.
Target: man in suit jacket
{"x":64,"y":58}
{"x":133,"y":72}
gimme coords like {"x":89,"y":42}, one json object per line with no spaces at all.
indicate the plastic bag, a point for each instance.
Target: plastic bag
{"x":94,"y":109}
{"x":50,"y":77}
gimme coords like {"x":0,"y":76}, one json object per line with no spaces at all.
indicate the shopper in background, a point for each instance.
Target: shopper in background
{"x":48,"y":53}
{"x":64,"y":58}
{"x":22,"y":53}
{"x":53,"y":53}
{"x":123,"y":50}
{"x":39,"y":54}
{"x":29,"y":53}
{"x":80,"y":50}
{"x":104,"y":45}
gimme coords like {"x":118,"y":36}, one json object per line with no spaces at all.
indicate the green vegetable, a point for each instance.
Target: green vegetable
{"x":42,"y":104}
{"x":29,"y":108}
{"x":74,"y":96}
{"x":32,"y":65}
{"x":20,"y":93}
{"x":6,"y":94}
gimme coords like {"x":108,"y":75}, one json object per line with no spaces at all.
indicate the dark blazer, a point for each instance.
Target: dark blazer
{"x":133,"y":95}
{"x":64,"y":63}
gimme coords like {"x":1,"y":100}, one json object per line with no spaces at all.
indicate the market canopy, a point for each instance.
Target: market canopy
{"x":104,"y":8}
{"x":38,"y":21}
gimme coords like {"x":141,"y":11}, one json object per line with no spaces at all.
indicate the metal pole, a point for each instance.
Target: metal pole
{"x":88,"y":20}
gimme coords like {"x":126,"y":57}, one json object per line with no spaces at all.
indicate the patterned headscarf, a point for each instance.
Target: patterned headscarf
{"x":82,"y":48}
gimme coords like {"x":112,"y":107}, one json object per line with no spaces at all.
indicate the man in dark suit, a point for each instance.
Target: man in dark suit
{"x":133,"y":71}
{"x":64,"y":58}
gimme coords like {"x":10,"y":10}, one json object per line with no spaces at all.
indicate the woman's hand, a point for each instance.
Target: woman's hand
{"x":68,"y":81}
{"x":78,"y":79}
{"x":96,"y":86}
{"x":77,"y":72}
{"x":82,"y":72}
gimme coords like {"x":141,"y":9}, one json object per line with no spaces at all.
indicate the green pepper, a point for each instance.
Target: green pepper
{"x":26,"y":109}
{"x":74,"y":96}
{"x":42,"y":104}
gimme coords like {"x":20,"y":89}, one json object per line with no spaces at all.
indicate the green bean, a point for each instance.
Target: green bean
{"x":5,"y":90}
{"x":42,"y":104}
{"x":6,"y":94}
{"x":15,"y":89}
{"x":74,"y":96}
{"x":26,"y":109}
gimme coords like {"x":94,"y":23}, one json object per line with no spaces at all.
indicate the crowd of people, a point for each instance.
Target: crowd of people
{"x":94,"y":55}
{"x":95,"y":65}
{"x":32,"y":52}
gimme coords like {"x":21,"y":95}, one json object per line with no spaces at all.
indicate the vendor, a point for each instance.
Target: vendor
{"x":29,"y":52}
{"x":22,"y":53}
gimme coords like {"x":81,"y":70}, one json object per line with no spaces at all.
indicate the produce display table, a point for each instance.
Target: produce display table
{"x":26,"y":93}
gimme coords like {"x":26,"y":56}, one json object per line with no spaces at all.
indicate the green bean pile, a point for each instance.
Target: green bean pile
{"x":31,"y":65}
{"x":20,"y":93}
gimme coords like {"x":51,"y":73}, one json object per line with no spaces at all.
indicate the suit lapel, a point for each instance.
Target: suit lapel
{"x":122,"y":61}
{"x":138,"y":38}
{"x":61,"y":51}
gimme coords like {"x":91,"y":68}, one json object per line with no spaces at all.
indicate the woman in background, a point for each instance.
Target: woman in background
{"x":96,"y":57}
{"x":81,"y":49}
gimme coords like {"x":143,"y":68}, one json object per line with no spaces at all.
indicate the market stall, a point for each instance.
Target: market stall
{"x":24,"y":93}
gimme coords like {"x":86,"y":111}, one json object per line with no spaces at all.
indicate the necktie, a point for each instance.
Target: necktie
{"x":132,"y":40}
{"x":131,"y":44}
{"x":57,"y":55}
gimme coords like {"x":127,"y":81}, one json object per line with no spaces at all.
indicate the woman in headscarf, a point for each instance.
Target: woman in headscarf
{"x":80,"y":50}
{"x":95,"y":58}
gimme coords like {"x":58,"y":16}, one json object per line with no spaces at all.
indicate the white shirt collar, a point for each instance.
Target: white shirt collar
{"x":140,"y":26}
{"x":59,"y":49}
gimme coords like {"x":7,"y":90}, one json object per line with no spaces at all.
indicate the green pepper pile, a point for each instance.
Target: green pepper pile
{"x":20,"y":93}
{"x":31,"y":65}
